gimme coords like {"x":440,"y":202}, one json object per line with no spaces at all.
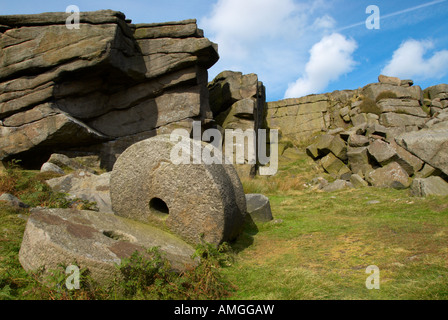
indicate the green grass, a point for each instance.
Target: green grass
{"x":325,"y":242}
{"x":318,"y":247}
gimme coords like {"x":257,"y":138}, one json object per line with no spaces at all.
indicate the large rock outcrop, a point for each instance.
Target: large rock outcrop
{"x":238,"y":103}
{"x":105,"y":85}
{"x":392,"y":138}
{"x":397,"y":105}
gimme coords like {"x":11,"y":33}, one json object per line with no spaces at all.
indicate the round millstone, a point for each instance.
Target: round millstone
{"x":194,"y":201}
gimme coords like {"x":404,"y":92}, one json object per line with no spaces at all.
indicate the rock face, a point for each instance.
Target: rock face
{"x":394,"y":104}
{"x":94,"y":240}
{"x":105,"y":85}
{"x":187,"y":199}
{"x":392,"y":139}
{"x":238,"y":103}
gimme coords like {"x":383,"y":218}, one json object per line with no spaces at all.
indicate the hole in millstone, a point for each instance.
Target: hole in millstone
{"x":120,"y":236}
{"x":159,"y":206}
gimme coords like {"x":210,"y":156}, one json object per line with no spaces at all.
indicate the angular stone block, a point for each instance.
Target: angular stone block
{"x":93,"y":240}
{"x":258,"y":207}
{"x":432,"y":186}
{"x":390,"y":176}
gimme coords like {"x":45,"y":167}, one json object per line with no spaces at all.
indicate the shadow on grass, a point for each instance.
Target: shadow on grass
{"x":246,"y":239}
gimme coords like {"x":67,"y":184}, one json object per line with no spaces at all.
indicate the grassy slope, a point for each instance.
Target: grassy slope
{"x":327,"y":240}
{"x":321,"y":248}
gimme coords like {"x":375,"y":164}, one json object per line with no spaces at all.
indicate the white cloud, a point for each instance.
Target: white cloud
{"x":409,"y":61}
{"x":268,"y":37}
{"x":329,"y":59}
{"x":237,"y":24}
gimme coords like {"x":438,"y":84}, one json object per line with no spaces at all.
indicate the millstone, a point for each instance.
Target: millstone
{"x":191,"y":200}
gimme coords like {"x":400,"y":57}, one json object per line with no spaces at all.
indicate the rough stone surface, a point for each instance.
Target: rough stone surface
{"x":403,"y":106}
{"x":97,"y":241}
{"x":357,"y":181}
{"x":337,"y":185}
{"x":427,"y":171}
{"x":259,"y":207}
{"x":358,"y":160}
{"x":109,"y":80}
{"x":86,"y":186}
{"x":391,"y":176}
{"x":188,"y":199}
{"x":333,"y":165}
{"x":62,"y":160}
{"x":238,"y":102}
{"x":389,"y":80}
{"x":432,"y":186}
{"x":357,"y":141}
{"x":382,"y":152}
{"x":51,"y":167}
{"x":406,"y":160}
{"x":430,"y":145}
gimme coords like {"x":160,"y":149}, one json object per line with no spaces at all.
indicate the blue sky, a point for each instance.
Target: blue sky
{"x":299,"y":47}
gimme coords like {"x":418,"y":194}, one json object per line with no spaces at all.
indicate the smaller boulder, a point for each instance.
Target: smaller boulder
{"x":390,"y":176}
{"x":357,"y":181}
{"x":258,"y":207}
{"x":382,"y":152}
{"x":432,"y":186}
{"x":337,"y":185}
{"x":86,"y":186}
{"x":51,"y":167}
{"x":62,"y":160}
{"x":389,"y":80}
{"x":13,"y":201}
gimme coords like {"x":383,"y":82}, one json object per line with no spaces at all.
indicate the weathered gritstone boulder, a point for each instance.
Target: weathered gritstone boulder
{"x":51,"y":167}
{"x":97,"y":241}
{"x":258,"y":207}
{"x":430,"y":145}
{"x":238,"y":103}
{"x":188,"y":199}
{"x":391,"y":176}
{"x":12,"y":200}
{"x":108,"y":81}
{"x":432,"y":186}
{"x":86,"y":186}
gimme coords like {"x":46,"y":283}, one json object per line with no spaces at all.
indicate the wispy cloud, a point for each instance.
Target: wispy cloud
{"x":267,"y":37}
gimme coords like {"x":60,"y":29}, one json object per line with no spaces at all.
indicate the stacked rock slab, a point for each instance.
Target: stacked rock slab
{"x":388,"y":154}
{"x":238,"y":103}
{"x":106,"y":85}
{"x":299,"y":119}
{"x":436,"y":98}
